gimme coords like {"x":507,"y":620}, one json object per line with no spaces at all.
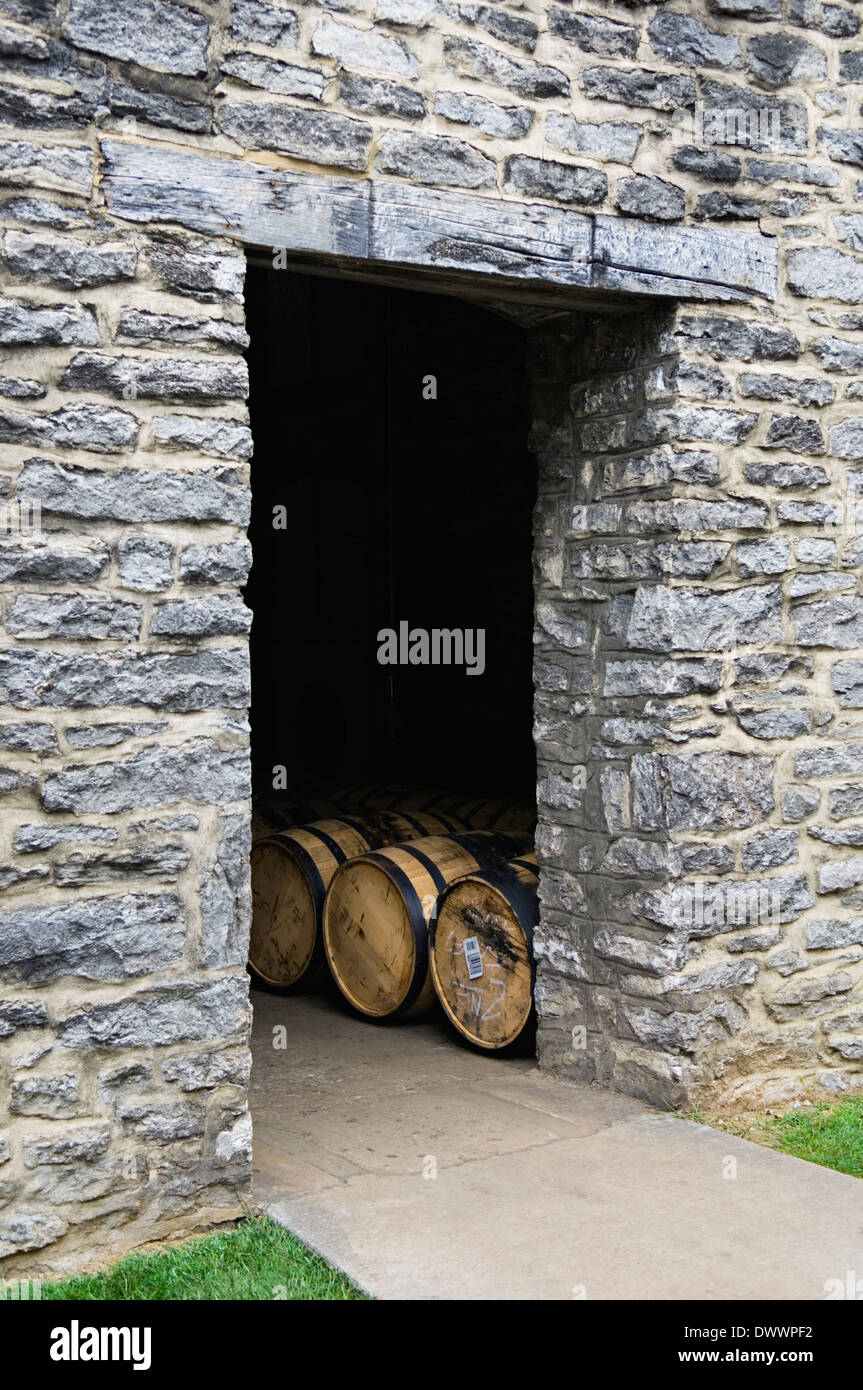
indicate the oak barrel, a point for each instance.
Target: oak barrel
{"x":376,"y":915}
{"x":481,"y":952}
{"x":290,"y":873}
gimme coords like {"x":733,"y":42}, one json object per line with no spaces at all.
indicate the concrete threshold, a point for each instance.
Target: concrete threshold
{"x":425,"y":1170}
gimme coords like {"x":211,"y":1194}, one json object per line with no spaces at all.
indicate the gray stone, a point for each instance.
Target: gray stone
{"x":700,"y":791}
{"x":847,"y":681}
{"x":798,"y":435}
{"x":614,"y":140}
{"x":109,"y":735}
{"x":65,"y":168}
{"x":162,"y":1120}
{"x":201,"y":680}
{"x":66,"y":262}
{"x":846,"y":438}
{"x":415,"y":14}
{"x":799,"y":802}
{"x":56,"y":1097}
{"x":204,"y":1071}
{"x":35,"y":839}
{"x":287,"y":79}
{"x":226,"y":897}
{"x":725,"y":207}
{"x":463,"y":108}
{"x":23,"y":1230}
{"x":840,"y":874}
{"x":716,"y":165}
{"x":434,"y":159}
{"x":258,"y":21}
{"x":808,"y":998}
{"x":641,"y":196}
{"x":99,"y":428}
{"x":639,"y":87}
{"x":189,"y":1012}
{"x":158,"y":108}
{"x":809,"y":391}
{"x":775,"y":723}
{"x":769,"y":849}
{"x":832,"y":622}
{"x":607,"y":37}
{"x":163,"y":861}
{"x":763,"y":557}
{"x":198,"y":269}
{"x":21,"y":388}
{"x":80,"y":1144}
{"x":53,"y":562}
{"x":830,"y":19}
{"x":676,"y":677}
{"x":18,"y":1014}
{"x":546,"y":178}
{"x":199,"y":771}
{"x":771,"y":171}
{"x":162,"y":378}
{"x":206,"y":434}
{"x":228,"y":563}
{"x":678,"y":619}
{"x":824,"y":934}
{"x":28,"y":738}
{"x":145,"y":563}
{"x":61,"y":615}
{"x":850,"y":229}
{"x":763,"y":124}
{"x":144,"y":329}
{"x":846,"y":801}
{"x":822,"y":272}
{"x":377,"y":97}
{"x":837,"y":761}
{"x":128,"y":494}
{"x":739,"y":339}
{"x":846,"y":146}
{"x":105,"y":938}
{"x":682,"y":39}
{"x":217,"y":615}
{"x":51,"y":325}
{"x":320,"y":136}
{"x":526,"y":79}
{"x":361,"y":48}
{"x":517,"y":30}
{"x":780,"y":60}
{"x":161,"y":34}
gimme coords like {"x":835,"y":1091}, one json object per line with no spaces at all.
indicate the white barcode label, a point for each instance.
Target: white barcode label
{"x":473,"y":956}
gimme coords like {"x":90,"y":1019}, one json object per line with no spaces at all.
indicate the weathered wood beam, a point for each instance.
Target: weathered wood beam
{"x":389,"y":223}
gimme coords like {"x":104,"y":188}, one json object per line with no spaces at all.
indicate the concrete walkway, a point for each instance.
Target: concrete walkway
{"x":542,"y":1190}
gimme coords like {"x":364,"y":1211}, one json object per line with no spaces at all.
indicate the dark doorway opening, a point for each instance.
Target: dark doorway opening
{"x":391,"y":428}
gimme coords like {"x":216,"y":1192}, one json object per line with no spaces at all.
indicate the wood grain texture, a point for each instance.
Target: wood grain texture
{"x":495,"y":913}
{"x":388,"y":223}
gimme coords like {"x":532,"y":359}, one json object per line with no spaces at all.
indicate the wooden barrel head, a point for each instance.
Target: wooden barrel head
{"x":284,"y":917}
{"x":370,"y":939}
{"x":481,"y":962}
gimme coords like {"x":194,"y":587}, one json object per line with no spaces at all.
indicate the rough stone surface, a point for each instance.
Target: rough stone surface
{"x":699,"y":632}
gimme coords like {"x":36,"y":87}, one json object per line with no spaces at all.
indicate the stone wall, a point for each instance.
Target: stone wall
{"x":698,"y":561}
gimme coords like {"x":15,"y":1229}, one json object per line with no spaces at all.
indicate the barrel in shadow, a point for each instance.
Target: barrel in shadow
{"x":481,"y":953}
{"x":291,"y":870}
{"x":375,"y":926}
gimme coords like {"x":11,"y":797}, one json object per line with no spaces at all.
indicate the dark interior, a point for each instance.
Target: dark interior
{"x":398,"y":508}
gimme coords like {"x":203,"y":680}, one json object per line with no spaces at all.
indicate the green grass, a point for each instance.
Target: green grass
{"x":826,"y":1132}
{"x":831,"y":1135}
{"x":258,"y":1259}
